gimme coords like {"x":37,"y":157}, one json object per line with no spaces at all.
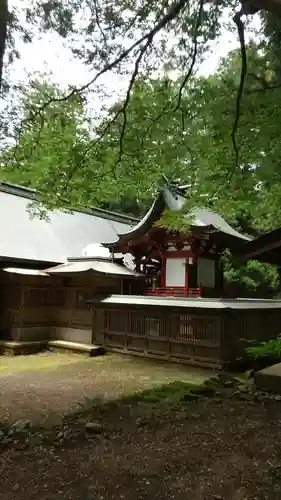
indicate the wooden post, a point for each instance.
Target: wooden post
{"x":94,"y":324}
{"x":186,"y":279}
{"x":138,"y":263}
{"x":22,"y":311}
{"x":219,"y":277}
{"x":97,"y":327}
{"x":279,"y":281}
{"x":163,"y":271}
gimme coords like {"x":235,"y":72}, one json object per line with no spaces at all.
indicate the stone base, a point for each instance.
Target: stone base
{"x":14,"y":348}
{"x":33,"y":339}
{"x":67,"y":334}
{"x":45,"y":333}
{"x":31,"y":334}
{"x":269,"y":379}
{"x":76,"y":347}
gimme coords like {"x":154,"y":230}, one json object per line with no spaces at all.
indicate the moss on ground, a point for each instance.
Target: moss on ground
{"x":171,"y":394}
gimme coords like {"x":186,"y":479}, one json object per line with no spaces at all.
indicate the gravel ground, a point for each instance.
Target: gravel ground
{"x":208,"y":450}
{"x":42,"y":388}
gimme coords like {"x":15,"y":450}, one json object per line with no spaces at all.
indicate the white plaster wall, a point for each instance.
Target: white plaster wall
{"x":175,"y":271}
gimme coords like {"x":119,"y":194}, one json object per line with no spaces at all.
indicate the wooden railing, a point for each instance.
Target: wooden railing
{"x":174,"y":291}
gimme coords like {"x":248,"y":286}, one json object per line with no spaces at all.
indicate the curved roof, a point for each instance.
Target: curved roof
{"x":98,"y":266}
{"x":206,"y":218}
{"x":174,"y":200}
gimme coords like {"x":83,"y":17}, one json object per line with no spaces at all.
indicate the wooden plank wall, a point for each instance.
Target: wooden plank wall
{"x":170,"y":333}
{"x":207,"y":337}
{"x":37,"y":301}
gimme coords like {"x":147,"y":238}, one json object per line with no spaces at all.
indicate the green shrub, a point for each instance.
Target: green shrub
{"x":270,"y":348}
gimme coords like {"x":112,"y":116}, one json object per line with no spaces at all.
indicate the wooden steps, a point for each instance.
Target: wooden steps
{"x":87,"y":349}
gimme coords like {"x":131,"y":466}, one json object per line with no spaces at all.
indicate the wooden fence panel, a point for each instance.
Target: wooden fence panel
{"x":191,"y":337}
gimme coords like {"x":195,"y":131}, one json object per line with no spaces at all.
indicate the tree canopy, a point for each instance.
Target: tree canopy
{"x":140,"y":39}
{"x":85,"y":161}
{"x":76,"y":160}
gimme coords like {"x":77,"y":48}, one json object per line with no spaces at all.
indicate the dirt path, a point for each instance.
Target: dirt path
{"x":210,"y":450}
{"x":42,"y":388}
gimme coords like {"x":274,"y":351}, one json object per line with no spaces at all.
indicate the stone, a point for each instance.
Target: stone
{"x":182,"y":414}
{"x":142,"y":422}
{"x":16,"y":487}
{"x":228,"y":383}
{"x":245,"y":396}
{"x":93,"y":427}
{"x":269,"y":379}
{"x":20,"y":426}
{"x":190,"y":397}
{"x":60,"y":435}
{"x":2,"y":435}
{"x":7,"y":440}
{"x":242,"y":388}
{"x":240,"y":494}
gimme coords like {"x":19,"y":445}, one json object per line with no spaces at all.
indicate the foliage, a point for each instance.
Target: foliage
{"x":253,"y":279}
{"x":178,"y":124}
{"x":270,"y":348}
{"x":99,"y":32}
{"x":50,"y":149}
{"x":192,"y":144}
{"x":136,"y":39}
{"x":75,"y":161}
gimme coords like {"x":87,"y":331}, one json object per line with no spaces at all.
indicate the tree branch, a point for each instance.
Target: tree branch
{"x":259,"y":79}
{"x":263,"y":89}
{"x":98,"y":23}
{"x":240,"y":27}
{"x":253,"y":6}
{"x":264,"y":85}
{"x":128,"y":94}
{"x":173,"y":12}
{"x":194,"y":52}
{"x":4,"y":14}
{"x":147,"y":40}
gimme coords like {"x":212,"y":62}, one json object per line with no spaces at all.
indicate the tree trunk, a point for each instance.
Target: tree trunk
{"x":253,"y":6}
{"x":3,"y":34}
